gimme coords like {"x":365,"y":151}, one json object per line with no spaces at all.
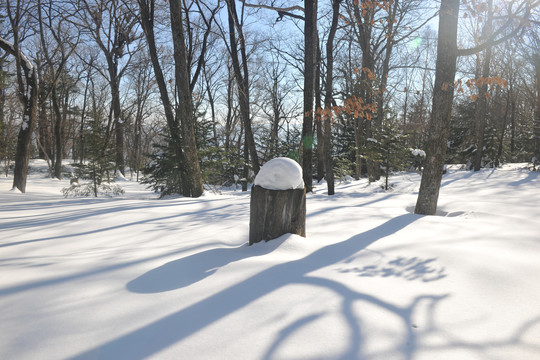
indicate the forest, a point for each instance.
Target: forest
{"x":140,"y":217}
{"x":187,"y":95}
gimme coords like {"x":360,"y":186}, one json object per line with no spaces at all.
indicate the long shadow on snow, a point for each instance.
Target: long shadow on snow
{"x":468,"y":174}
{"x":532,"y":175}
{"x":175,"y":327}
{"x":67,"y":215}
{"x":193,"y":268}
{"x":85,"y":274}
{"x":327,"y":210}
{"x":118,"y":210}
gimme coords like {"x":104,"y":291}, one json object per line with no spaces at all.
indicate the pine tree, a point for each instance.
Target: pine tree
{"x":98,"y":168}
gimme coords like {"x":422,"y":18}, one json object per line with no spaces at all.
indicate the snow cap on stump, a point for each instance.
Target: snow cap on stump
{"x":280,"y":174}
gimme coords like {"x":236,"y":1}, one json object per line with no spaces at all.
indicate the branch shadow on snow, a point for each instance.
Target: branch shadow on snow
{"x":162,"y":333}
{"x":349,"y":298}
{"x":408,"y":268}
{"x":149,"y":340}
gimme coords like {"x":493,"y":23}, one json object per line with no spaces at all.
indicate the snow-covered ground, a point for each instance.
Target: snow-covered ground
{"x":136,"y":277}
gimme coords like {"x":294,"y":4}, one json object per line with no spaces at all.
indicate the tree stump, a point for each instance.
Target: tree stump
{"x":276,"y":212}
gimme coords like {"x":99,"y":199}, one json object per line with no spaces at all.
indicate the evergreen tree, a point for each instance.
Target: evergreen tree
{"x":98,"y":168}
{"x":164,"y":174}
{"x":390,"y":151}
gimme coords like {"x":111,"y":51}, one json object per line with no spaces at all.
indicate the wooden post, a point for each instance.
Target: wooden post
{"x":276,"y":212}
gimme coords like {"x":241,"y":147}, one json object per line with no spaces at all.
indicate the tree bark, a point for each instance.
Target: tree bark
{"x":147,"y":21}
{"x":386,"y":63}
{"x":443,"y":96}
{"x":310,"y":60}
{"x":276,"y":115}
{"x":82,"y":150}
{"x":319,"y":117}
{"x":327,"y":118}
{"x":503,"y":129}
{"x":57,"y":134}
{"x":481,"y":102}
{"x":242,"y":82}
{"x":3,"y":139}
{"x":28,"y":91}
{"x":364,"y":21}
{"x":192,"y":183}
{"x":118,"y":120}
{"x":537,"y":113}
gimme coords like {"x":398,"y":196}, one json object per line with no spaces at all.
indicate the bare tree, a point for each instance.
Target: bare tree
{"x":112,"y":27}
{"x":328,"y":99}
{"x":481,"y":102}
{"x":443,"y":93}
{"x":27,"y":87}
{"x":277,"y":103}
{"x":241,"y":74}
{"x":56,"y":60}
{"x":310,"y":10}
{"x":310,"y":64}
{"x":192,"y":182}
{"x":141,"y":106}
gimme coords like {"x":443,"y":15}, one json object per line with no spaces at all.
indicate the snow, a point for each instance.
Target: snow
{"x":418,"y":152}
{"x":280,"y":174}
{"x":136,"y":277}
{"x":25,"y":122}
{"x":27,"y":63}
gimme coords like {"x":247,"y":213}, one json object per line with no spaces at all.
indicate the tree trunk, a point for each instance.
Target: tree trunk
{"x":318,"y":117}
{"x":242,"y":81}
{"x":537,"y":113}
{"x":386,"y":63}
{"x":364,"y":20}
{"x":310,"y":60}
{"x":42,"y":136}
{"x":273,"y":146}
{"x":57,"y":134}
{"x":327,"y":118}
{"x":82,"y":148}
{"x":192,"y":183}
{"x":230,"y":114}
{"x":276,"y":212}
{"x":503,"y":131}
{"x":443,"y":96}
{"x":481,"y":103}
{"x":245,"y":170}
{"x":117,"y":116}
{"x":24,"y":139}
{"x":212,"y":104}
{"x":3,"y":137}
{"x":358,"y":144}
{"x":28,"y":89}
{"x":147,"y":21}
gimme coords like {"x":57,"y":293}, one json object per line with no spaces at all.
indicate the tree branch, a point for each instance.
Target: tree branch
{"x":492,"y":39}
{"x":278,"y":9}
